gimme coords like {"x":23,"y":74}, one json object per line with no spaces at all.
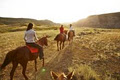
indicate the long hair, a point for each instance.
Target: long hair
{"x":30,"y":26}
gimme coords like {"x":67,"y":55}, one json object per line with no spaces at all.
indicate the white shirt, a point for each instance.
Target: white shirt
{"x":30,"y":36}
{"x":71,"y":28}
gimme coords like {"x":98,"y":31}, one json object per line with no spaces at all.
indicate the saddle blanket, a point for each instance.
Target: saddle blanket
{"x":32,"y":49}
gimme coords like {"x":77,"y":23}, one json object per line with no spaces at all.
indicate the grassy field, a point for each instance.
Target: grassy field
{"x":94,"y":54}
{"x":8,"y":28}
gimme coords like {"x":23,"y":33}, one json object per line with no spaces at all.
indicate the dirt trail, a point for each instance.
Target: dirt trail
{"x":65,"y":59}
{"x":59,"y":62}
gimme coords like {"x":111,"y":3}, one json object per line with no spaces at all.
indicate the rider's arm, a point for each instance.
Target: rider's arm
{"x":36,"y":36}
{"x":25,"y":37}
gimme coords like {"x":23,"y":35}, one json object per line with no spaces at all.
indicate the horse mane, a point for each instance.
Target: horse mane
{"x":41,"y":41}
{"x":42,"y":38}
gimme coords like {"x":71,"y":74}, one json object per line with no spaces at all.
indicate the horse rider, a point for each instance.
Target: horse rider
{"x":71,"y":29}
{"x":61,"y":29}
{"x":30,"y":36}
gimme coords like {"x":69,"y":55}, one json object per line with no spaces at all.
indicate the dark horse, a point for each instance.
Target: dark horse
{"x":22,"y":55}
{"x":70,"y":36}
{"x":61,"y":38}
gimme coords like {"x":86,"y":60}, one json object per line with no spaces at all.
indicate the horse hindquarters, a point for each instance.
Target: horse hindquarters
{"x":9,"y":57}
{"x":56,"y":38}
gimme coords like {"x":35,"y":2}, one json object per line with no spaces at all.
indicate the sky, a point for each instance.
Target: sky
{"x":59,"y":11}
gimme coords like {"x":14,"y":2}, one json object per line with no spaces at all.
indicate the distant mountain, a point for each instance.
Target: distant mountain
{"x":111,"y":20}
{"x":24,"y":21}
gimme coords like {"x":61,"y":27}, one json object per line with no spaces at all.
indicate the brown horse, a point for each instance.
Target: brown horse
{"x":61,"y":38}
{"x":70,"y":36}
{"x":22,"y":55}
{"x":62,"y":76}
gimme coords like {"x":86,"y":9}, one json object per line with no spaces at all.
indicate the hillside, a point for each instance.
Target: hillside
{"x":111,"y":20}
{"x":24,"y":21}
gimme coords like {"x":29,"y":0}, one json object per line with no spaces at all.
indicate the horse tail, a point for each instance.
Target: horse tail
{"x":9,"y":57}
{"x":56,"y":37}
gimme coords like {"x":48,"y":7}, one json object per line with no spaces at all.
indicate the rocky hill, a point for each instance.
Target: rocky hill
{"x":24,"y":21}
{"x":111,"y":20}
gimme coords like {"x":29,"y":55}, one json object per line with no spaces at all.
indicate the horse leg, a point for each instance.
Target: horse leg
{"x":60,"y":44}
{"x":69,"y":41}
{"x":72,"y":39}
{"x":35,"y":65}
{"x":43,"y":62}
{"x":15,"y":64}
{"x":63,"y":45}
{"x":24,"y":65}
{"x":68,"y":38}
{"x":57,"y":45}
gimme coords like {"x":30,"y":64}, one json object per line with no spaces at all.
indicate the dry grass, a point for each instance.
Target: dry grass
{"x":94,"y":55}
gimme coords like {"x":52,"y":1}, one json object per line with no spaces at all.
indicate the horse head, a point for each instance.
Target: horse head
{"x":43,"y":41}
{"x":62,"y":76}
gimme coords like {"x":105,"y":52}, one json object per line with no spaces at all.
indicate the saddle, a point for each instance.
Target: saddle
{"x":33,"y":50}
{"x":65,"y":36}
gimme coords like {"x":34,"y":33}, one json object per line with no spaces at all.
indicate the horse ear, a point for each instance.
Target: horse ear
{"x":70,"y":75}
{"x":54,"y":75}
{"x":63,"y":75}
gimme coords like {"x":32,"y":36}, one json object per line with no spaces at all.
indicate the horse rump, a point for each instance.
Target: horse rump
{"x":9,"y":57}
{"x":56,"y":38}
